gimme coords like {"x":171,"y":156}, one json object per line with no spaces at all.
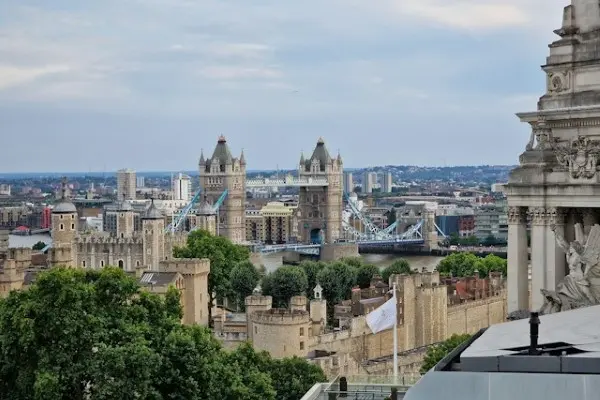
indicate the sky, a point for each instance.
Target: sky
{"x":147,"y":84}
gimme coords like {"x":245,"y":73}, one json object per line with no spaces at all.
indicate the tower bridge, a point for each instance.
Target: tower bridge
{"x":323,"y":217}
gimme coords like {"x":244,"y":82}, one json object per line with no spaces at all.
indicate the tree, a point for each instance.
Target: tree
{"x":84,"y":334}
{"x":454,"y":239}
{"x":337,"y":280}
{"x":38,"y":246}
{"x":244,"y":278}
{"x":364,"y":275}
{"x":284,"y":283}
{"x":465,"y":264}
{"x":293,"y":377}
{"x":311,"y":268}
{"x":223,"y":256}
{"x":436,"y":352}
{"x":490,"y":240}
{"x":398,"y":267}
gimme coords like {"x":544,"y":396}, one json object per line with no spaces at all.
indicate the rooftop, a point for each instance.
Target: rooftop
{"x":511,"y":360}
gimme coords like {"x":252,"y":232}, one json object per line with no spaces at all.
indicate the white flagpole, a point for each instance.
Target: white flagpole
{"x":395,"y":338}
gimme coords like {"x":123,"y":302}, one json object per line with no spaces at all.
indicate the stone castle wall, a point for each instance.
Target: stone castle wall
{"x":473,"y":316}
{"x":283,"y":333}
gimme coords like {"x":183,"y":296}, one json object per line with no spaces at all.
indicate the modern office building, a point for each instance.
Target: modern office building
{"x":126,"y":184}
{"x":182,"y":187}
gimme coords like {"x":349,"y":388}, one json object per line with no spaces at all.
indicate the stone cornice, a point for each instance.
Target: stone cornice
{"x":581,"y":112}
{"x":517,"y":215}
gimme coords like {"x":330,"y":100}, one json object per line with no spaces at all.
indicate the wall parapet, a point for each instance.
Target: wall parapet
{"x":475,"y":303}
{"x":279,"y":316}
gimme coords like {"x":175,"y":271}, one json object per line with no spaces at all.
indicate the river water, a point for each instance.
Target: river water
{"x":272,"y":261}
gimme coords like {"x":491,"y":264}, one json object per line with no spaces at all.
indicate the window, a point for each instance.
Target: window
{"x":137,"y":263}
{"x":73,"y":226}
{"x":62,"y":227}
{"x":256,"y":329}
{"x":121,"y":264}
{"x":83,"y":264}
{"x":301,"y":345}
{"x":102,"y":263}
{"x":302,"y":331}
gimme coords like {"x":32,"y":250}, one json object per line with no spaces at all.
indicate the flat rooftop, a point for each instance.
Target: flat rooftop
{"x":500,"y":362}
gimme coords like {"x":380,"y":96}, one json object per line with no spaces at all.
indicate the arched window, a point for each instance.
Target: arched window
{"x":62,"y":227}
{"x":137,"y":263}
{"x":73,"y":226}
{"x":121,"y":264}
{"x":83,"y":264}
{"x":102,"y":263}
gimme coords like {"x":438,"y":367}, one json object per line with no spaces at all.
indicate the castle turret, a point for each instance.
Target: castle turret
{"x":125,"y":220}
{"x":255,"y":303}
{"x":206,"y":217}
{"x":318,"y":311}
{"x":153,"y":226}
{"x":222,"y":172}
{"x":64,"y":229}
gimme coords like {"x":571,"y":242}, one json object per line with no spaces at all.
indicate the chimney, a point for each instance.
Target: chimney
{"x":534,"y":329}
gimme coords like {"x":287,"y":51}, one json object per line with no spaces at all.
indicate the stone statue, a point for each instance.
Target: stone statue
{"x":581,"y":286}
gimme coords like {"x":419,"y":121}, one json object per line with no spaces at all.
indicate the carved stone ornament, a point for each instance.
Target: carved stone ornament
{"x":541,"y":137}
{"x":545,"y":216}
{"x":581,"y":286}
{"x":580,"y":157}
{"x":558,"y":82}
{"x":517,"y":215}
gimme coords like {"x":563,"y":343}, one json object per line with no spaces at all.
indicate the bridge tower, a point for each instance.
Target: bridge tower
{"x":223,"y":172}
{"x":320,"y":208}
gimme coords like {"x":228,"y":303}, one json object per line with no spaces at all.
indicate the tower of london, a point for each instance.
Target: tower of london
{"x":127,"y":248}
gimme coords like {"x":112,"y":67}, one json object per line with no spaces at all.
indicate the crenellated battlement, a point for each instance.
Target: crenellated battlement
{"x":105,"y":239}
{"x":280,"y":316}
{"x":258,"y":300}
{"x":186,"y":266}
{"x":20,"y":254}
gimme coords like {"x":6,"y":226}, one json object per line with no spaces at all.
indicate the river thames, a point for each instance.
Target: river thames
{"x":273,"y":261}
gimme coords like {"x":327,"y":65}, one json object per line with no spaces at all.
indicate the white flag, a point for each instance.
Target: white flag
{"x":383,"y":317}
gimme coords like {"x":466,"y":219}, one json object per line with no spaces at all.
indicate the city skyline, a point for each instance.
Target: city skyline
{"x":135,"y":82}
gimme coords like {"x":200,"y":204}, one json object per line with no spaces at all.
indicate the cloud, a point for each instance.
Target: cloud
{"x":11,"y":76}
{"x":403,"y":72}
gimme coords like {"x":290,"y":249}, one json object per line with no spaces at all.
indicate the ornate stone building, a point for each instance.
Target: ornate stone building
{"x":126,"y":248}
{"x":557,"y":184}
{"x":223,"y":172}
{"x":275,"y":223}
{"x":320,"y":207}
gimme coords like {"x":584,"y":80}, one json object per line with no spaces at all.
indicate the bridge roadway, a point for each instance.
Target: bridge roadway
{"x":289,"y":181}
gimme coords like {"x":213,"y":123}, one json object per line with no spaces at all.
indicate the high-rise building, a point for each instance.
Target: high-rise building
{"x":386,"y":184}
{"x":348,"y":182}
{"x":141,"y":181}
{"x":126,"y":181}
{"x":182,"y":187}
{"x":368,"y":181}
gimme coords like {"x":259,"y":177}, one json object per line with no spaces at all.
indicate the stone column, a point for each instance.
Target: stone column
{"x":547,"y":259}
{"x":518,"y":260}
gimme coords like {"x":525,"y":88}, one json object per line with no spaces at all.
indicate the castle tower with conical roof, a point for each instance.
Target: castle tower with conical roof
{"x":223,"y":172}
{"x":64,"y":229}
{"x":320,"y":217}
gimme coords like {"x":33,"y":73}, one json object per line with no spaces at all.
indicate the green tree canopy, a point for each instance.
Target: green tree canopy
{"x":223,"y":255}
{"x":38,"y":246}
{"x":284,"y":283}
{"x":438,"y":351}
{"x":465,"y":264}
{"x":84,"y":334}
{"x":364,"y":275}
{"x":311,"y":268}
{"x":398,"y":267}
{"x":337,"y":280}
{"x":244,"y":278}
